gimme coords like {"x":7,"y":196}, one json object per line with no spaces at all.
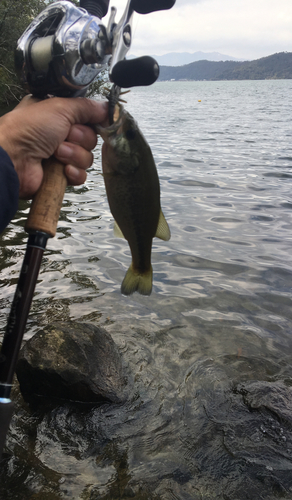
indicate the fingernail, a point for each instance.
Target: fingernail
{"x":103,"y":106}
{"x":64,"y":151}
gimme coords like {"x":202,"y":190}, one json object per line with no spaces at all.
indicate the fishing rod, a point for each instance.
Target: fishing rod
{"x":60,"y":54}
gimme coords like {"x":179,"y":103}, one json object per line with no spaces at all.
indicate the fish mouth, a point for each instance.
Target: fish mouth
{"x":116,"y":127}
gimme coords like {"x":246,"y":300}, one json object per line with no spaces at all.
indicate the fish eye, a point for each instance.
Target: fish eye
{"x":130,"y":134}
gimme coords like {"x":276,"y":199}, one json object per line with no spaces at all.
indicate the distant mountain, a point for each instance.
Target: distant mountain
{"x":276,"y":66}
{"x":181,"y":58}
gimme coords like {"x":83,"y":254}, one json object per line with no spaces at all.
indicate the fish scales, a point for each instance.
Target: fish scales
{"x":138,"y":193}
{"x":133,"y":192}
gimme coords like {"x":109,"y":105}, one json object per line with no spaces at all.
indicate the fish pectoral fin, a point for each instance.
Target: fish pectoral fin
{"x":117,"y":231}
{"x":162,"y":231}
{"x":137,"y":282}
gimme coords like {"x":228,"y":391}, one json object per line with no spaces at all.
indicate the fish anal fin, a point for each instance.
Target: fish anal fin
{"x":137,"y":282}
{"x":162,"y":231}
{"x":117,"y":231}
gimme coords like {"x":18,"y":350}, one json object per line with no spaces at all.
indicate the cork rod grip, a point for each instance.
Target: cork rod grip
{"x":46,"y":205}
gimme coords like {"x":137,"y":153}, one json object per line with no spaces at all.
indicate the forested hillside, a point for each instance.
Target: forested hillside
{"x":276,"y":66}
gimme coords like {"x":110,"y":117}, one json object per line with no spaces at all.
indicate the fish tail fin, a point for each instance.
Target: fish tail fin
{"x":137,"y":282}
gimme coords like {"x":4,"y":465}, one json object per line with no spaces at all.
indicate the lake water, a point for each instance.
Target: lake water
{"x":210,"y":351}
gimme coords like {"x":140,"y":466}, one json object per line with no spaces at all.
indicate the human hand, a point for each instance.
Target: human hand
{"x":35,"y":130}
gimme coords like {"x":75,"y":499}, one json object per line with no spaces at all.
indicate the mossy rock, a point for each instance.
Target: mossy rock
{"x":72,"y":361}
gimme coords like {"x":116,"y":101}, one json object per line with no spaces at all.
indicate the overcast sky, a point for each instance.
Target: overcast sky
{"x":247,"y":29}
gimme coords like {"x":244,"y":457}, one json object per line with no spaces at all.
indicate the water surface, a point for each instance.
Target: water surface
{"x":210,"y":350}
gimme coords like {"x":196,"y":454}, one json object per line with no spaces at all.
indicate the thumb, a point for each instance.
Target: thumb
{"x":80,"y":110}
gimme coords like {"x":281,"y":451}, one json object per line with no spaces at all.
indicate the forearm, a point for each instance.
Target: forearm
{"x":9,"y":190}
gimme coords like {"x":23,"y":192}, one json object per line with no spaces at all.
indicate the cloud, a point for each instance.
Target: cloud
{"x":241,"y":28}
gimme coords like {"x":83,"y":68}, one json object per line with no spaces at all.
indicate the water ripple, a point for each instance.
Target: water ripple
{"x":210,"y":350}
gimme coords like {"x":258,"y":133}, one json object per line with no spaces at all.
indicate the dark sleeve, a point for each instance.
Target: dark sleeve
{"x":9,"y":190}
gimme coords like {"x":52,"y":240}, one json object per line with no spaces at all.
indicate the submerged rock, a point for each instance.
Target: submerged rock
{"x":73,"y":361}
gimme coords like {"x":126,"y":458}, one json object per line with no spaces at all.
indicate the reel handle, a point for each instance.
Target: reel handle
{"x":135,"y":72}
{"x":46,"y":205}
{"x":96,"y":8}
{"x":147,"y":6}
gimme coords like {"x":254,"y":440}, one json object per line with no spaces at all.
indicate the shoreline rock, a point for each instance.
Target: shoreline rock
{"x":72,"y":361}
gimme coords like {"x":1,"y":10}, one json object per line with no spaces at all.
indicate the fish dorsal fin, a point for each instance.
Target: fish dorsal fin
{"x":162,"y":230}
{"x":117,"y":232}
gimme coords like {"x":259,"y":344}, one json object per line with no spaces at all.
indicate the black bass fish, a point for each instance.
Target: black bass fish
{"x":133,"y":193}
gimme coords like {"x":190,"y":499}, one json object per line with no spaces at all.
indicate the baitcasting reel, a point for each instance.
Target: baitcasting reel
{"x":66,"y":47}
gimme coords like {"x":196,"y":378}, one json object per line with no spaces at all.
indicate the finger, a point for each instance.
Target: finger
{"x":78,"y":110}
{"x":75,"y":176}
{"x":30,"y":178}
{"x":83,"y":136}
{"x":28,"y":100}
{"x":74,"y":154}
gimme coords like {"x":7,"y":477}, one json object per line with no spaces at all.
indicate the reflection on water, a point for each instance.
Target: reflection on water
{"x":210,"y":350}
